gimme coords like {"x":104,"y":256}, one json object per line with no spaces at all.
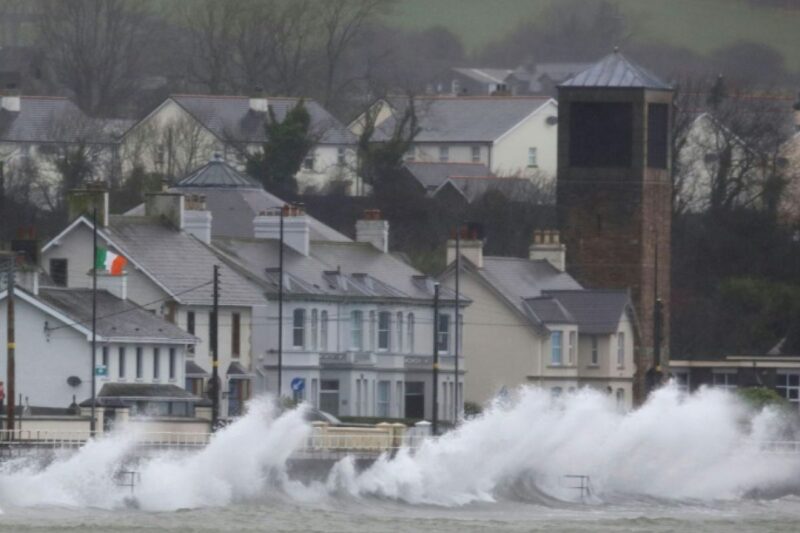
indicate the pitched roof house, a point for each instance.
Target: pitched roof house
{"x":186,"y":130}
{"x":530,"y":322}
{"x":512,"y":136}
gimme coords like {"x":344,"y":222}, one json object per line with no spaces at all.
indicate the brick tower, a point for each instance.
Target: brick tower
{"x":615,"y":194}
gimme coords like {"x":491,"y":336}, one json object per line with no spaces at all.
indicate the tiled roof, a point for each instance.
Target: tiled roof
{"x":615,"y":70}
{"x":180,"y":262}
{"x":230,"y":117}
{"x":596,"y":311}
{"x":464,"y":118}
{"x":116,"y":318}
{"x":432,"y":175}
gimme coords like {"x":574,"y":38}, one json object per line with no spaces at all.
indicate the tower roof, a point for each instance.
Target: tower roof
{"x":615,"y":70}
{"x":218,"y":173}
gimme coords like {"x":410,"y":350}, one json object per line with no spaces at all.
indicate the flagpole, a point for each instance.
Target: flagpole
{"x":93,"y":423}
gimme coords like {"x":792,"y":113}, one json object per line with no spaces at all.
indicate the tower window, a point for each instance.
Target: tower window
{"x":657,"y":135}
{"x":600,"y":134}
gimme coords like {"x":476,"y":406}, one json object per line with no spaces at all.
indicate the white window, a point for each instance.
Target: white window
{"x":372,"y":330}
{"x":476,"y":154}
{"x":595,"y":351}
{"x":572,"y":343}
{"x":299,"y":328}
{"x":410,"y":332}
{"x":314,"y":329}
{"x":555,"y":348}
{"x":341,"y":156}
{"x":308,"y":161}
{"x":139,"y":362}
{"x":323,"y":331}
{"x":121,"y":365}
{"x":357,"y":330}
{"x":620,"y":399}
{"x":399,"y":332}
{"x":173,"y":363}
{"x":384,"y":330}
{"x":410,"y":154}
{"x":725,"y":380}
{"x":621,"y":349}
{"x":443,"y":334}
{"x":533,"y":157}
{"x":788,"y":386}
{"x":156,"y":363}
{"x":383,"y":399}
{"x":444,"y":154}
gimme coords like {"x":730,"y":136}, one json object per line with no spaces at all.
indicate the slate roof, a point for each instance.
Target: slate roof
{"x":463,"y":118}
{"x":548,"y":310}
{"x":179,"y":261}
{"x":557,"y":72}
{"x":117,"y":319}
{"x":51,"y":119}
{"x":474,"y":188}
{"x":597,"y":312}
{"x":332,"y":270}
{"x":615,"y":70}
{"x":518,"y":279}
{"x":231,"y":119}
{"x":432,"y":175}
{"x":218,"y":173}
{"x":194,"y":370}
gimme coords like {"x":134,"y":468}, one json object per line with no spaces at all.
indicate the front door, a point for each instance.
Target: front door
{"x":415,"y":399}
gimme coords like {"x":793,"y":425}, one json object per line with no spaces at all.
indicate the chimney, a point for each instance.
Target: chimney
{"x":27,"y":277}
{"x":196,"y":217}
{"x":11,"y":102}
{"x":296,"y":233}
{"x":84,"y":201}
{"x":168,"y":206}
{"x":471,"y":245}
{"x":371,"y":228}
{"x":547,"y":245}
{"x":116,"y":285}
{"x":259,"y":102}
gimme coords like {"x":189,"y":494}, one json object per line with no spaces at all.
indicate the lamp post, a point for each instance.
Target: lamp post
{"x":435,"y":417}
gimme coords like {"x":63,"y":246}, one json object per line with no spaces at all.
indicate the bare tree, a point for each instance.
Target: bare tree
{"x":212,"y":28}
{"x":97,"y":49}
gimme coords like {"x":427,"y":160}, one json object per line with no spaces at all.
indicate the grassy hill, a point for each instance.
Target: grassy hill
{"x":699,"y":25}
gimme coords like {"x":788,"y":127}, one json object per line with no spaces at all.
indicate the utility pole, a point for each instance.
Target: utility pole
{"x":11,"y":346}
{"x":280,"y":306}
{"x":214,"y":334}
{"x":457,"y":328}
{"x":93,"y":423}
{"x":435,"y":418}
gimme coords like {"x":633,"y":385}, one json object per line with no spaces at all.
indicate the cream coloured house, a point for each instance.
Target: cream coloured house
{"x":514,"y":136}
{"x":185,"y":131}
{"x":531,"y":323}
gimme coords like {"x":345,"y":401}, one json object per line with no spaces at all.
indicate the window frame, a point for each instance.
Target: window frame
{"x":556,"y":348}
{"x":384,"y":331}
{"x":533,"y":157}
{"x":620,"y":349}
{"x":356,"y":330}
{"x":121,"y":356}
{"x":156,"y":363}
{"x":299,"y":328}
{"x":444,"y":153}
{"x":443,"y":333}
{"x":595,"y":351}
{"x":236,"y":335}
{"x":476,"y":154}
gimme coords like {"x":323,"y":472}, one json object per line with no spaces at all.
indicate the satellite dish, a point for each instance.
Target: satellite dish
{"x":552,"y":120}
{"x":73,"y":381}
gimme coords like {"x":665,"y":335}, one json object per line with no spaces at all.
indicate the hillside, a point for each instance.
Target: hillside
{"x":699,"y":25}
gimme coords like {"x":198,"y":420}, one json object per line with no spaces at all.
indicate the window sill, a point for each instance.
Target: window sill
{"x":593,"y":365}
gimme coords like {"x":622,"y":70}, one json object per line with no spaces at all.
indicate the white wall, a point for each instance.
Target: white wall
{"x":510,"y":151}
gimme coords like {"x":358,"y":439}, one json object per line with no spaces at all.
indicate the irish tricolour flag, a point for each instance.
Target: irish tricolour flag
{"x":109,"y":262}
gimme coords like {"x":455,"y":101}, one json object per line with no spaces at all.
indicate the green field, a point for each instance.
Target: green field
{"x":699,"y":25}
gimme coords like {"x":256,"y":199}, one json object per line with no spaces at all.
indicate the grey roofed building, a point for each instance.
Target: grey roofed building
{"x":615,"y":70}
{"x":162,"y":252}
{"x":520,"y":279}
{"x":235,"y":199}
{"x":545,"y":76}
{"x":463,"y":118}
{"x":596,"y":311}
{"x":331,"y":270}
{"x":485,"y":75}
{"x":43,"y":119}
{"x":118,"y":320}
{"x":230,"y":118}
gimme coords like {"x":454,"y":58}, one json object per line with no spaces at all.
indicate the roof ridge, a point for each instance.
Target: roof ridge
{"x":237,"y":96}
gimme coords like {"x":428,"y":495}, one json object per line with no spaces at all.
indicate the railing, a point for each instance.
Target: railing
{"x":74,"y":439}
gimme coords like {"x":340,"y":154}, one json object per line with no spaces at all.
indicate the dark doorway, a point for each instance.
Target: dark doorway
{"x":415,"y":399}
